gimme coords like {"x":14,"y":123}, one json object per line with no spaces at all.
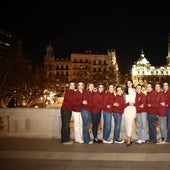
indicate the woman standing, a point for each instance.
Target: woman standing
{"x":77,"y":102}
{"x":107,"y":114}
{"x":66,"y":113}
{"x":86,"y":112}
{"x":152,"y":111}
{"x":118,"y":108}
{"x":130,"y":110}
{"x":96,"y":111}
{"x":141,"y":115}
{"x":161,"y":113}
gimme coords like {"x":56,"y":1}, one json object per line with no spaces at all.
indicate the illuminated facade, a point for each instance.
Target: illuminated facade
{"x":143,"y":72}
{"x":86,"y":66}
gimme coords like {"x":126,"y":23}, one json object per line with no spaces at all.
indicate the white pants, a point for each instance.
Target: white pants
{"x":129,"y":117}
{"x":78,"y":126}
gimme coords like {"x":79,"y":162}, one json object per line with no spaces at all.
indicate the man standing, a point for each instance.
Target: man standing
{"x":66,"y":113}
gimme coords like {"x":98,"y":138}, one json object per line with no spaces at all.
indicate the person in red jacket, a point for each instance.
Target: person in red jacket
{"x":98,"y":97}
{"x":107,"y":114}
{"x":161,"y":113}
{"x":141,"y":115}
{"x":77,"y":103}
{"x":152,"y":110}
{"x":86,"y":112}
{"x":118,"y":109}
{"x":166,"y":91}
{"x":66,"y":113}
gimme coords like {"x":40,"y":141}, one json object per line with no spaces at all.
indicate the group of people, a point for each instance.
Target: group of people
{"x":87,"y":106}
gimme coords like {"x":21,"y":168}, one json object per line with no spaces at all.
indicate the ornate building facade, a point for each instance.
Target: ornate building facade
{"x":98,"y":68}
{"x":143,"y":72}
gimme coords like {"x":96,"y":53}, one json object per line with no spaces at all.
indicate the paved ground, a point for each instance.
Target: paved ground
{"x":50,"y":154}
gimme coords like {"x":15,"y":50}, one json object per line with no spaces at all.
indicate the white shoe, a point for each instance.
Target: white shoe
{"x":80,"y":141}
{"x":91,"y":142}
{"x":140,"y":141}
{"x":120,"y":141}
{"x":107,"y":141}
{"x":68,"y":143}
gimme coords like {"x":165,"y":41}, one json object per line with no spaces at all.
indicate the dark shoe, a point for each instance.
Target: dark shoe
{"x":97,"y":141}
{"x":128,"y":144}
{"x":150,"y":142}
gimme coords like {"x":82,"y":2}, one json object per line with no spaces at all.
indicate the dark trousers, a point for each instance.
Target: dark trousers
{"x":95,"y":123}
{"x":65,"y":125}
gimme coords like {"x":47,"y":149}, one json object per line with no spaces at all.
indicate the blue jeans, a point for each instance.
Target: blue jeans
{"x":107,"y":121}
{"x":117,"y":121}
{"x":162,"y":123}
{"x":86,"y":117}
{"x":141,"y":123}
{"x":168,"y":124}
{"x":152,"y":127}
{"x":96,"y":117}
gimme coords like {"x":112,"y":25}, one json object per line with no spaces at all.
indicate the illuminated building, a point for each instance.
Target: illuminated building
{"x":99,"y":68}
{"x":143,"y":72}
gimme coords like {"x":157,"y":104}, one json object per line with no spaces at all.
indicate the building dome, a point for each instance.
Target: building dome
{"x":142,"y":60}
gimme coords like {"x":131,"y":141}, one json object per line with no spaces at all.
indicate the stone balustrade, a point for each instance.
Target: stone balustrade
{"x":40,"y":123}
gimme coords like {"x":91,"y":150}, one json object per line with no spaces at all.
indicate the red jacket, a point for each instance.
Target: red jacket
{"x":108,"y":100}
{"x":97,"y":102}
{"x":140,"y":100}
{"x":67,"y":101}
{"x":121,"y":101}
{"x":151,"y":100}
{"x":167,"y":98}
{"x":88,"y":96}
{"x":160,"y":99}
{"x":77,"y":101}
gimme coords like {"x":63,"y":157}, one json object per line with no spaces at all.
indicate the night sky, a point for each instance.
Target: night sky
{"x":98,"y":26}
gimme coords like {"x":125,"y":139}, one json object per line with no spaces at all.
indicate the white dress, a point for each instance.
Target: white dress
{"x":130,"y":112}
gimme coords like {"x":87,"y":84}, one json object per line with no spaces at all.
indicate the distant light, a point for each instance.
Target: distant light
{"x":7,"y":44}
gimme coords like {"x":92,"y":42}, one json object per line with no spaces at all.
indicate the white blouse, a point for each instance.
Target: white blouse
{"x":131,"y":96}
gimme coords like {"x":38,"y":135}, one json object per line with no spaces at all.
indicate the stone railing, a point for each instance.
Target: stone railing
{"x":39,"y":123}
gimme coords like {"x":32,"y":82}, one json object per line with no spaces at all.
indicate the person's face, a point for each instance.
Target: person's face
{"x":165,"y":86}
{"x":119,"y":91}
{"x":129,"y":84}
{"x":80,"y":85}
{"x":91,"y":87}
{"x":149,"y":87}
{"x":157,"y":87}
{"x":138,"y":89}
{"x":72,"y":86}
{"x":111,"y":88}
{"x":101,"y":88}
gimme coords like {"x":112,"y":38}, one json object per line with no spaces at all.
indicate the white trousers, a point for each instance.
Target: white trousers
{"x":78,"y":126}
{"x":129,"y":117}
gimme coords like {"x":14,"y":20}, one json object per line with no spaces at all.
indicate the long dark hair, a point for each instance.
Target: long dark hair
{"x":126,"y":88}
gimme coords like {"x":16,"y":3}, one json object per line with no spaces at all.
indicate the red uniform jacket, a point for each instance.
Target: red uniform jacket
{"x":67,"y":102}
{"x":97,"y":102}
{"x":108,"y":100}
{"x":161,"y":109}
{"x":140,"y":100}
{"x":121,"y":101}
{"x":151,"y":99}
{"x":88,"y":96}
{"x":167,"y":98}
{"x":77,"y":101}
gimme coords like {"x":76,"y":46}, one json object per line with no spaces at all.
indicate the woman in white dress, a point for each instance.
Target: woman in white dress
{"x":130,"y":110}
